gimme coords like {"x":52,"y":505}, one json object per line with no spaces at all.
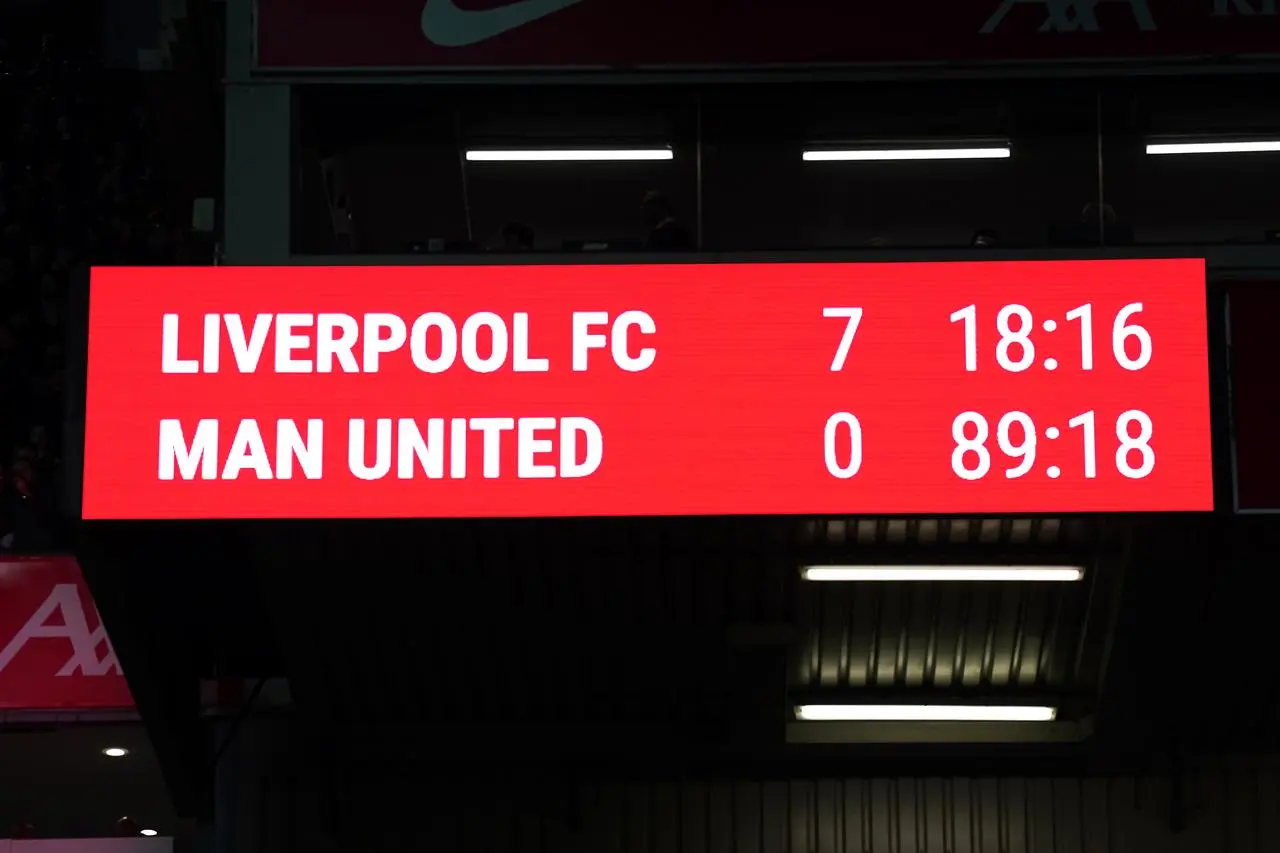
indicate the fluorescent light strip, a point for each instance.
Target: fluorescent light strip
{"x":868,"y":154}
{"x":1212,"y":147}
{"x":927,"y":713}
{"x":942,"y":573}
{"x":569,"y":155}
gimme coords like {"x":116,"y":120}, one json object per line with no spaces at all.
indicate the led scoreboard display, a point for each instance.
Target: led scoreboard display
{"x":654,"y":389}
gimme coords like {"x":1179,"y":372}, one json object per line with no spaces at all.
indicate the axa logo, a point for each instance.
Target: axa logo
{"x":62,"y":617}
{"x":1081,"y":16}
{"x":1070,"y":16}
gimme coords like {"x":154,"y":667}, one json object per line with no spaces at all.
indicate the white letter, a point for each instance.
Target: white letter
{"x":375,"y":345}
{"x":430,"y":454}
{"x":330,"y":345}
{"x":569,"y":429}
{"x":528,"y":445}
{"x":289,"y":444}
{"x":212,"y":342}
{"x":247,"y":451}
{"x":492,"y":429}
{"x":458,"y":448}
{"x":448,"y":342}
{"x":71,"y":625}
{"x":470,"y":351}
{"x":203,"y":451}
{"x":356,"y":454}
{"x":621,"y":356}
{"x":249,"y":352}
{"x":520,"y":356}
{"x":583,"y":340}
{"x":287,"y":342}
{"x":169,"y":361}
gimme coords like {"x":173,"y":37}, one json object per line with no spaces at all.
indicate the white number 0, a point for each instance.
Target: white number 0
{"x":853,"y":317}
{"x":829,"y":433}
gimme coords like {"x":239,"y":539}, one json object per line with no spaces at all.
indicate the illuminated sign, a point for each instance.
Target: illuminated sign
{"x":656,"y":389}
{"x":54,"y":649}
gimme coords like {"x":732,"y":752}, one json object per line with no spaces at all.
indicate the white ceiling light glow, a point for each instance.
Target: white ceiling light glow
{"x":568,"y":155}
{"x":972,"y":574}
{"x":1254,"y":147}
{"x":115,"y":752}
{"x":927,"y":713}
{"x":970,"y":152}
{"x":149,"y":833}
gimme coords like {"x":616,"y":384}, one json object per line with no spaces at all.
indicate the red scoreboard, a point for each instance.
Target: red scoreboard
{"x":653,"y":389}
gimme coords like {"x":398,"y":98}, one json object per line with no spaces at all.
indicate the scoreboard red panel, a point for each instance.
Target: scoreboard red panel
{"x":653,"y":389}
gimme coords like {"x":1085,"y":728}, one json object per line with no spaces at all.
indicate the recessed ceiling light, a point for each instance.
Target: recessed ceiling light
{"x":942,"y":573}
{"x":993,"y":152}
{"x":568,"y":155}
{"x":926,"y":713}
{"x":1221,"y":147}
{"x":149,"y":832}
{"x":115,"y":752}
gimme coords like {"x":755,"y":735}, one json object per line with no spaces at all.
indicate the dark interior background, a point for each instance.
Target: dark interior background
{"x":393,"y":160}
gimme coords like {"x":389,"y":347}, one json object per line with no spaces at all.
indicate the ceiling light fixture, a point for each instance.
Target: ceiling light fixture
{"x":927,"y":713}
{"x":942,"y":573}
{"x":984,"y":152}
{"x":1213,"y":147}
{"x":149,"y":833}
{"x":568,"y":155}
{"x":115,"y":752}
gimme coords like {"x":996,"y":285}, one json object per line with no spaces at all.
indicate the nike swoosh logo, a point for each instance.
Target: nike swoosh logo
{"x":444,"y":24}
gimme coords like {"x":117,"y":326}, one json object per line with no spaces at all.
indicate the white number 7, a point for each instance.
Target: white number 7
{"x":854,"y":317}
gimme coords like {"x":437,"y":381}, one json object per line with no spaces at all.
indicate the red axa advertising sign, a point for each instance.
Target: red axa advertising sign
{"x":655,"y":389}
{"x":725,"y":33}
{"x":54,"y":650}
{"x":1255,"y":394}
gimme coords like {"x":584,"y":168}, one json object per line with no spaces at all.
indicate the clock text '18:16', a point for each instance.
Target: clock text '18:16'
{"x":1131,"y":344}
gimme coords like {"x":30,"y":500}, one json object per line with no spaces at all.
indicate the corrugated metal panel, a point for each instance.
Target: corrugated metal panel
{"x":1232,"y":811}
{"x":1056,"y":533}
{"x":629,"y":620}
{"x":939,"y":635}
{"x":979,"y":640}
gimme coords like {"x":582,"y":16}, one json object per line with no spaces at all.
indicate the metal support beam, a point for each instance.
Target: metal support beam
{"x":259,"y":154}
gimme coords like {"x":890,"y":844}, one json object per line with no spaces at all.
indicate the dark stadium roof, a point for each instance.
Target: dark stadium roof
{"x":55,"y":777}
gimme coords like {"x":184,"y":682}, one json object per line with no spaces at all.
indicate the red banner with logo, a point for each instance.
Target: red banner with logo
{"x":667,"y":33}
{"x":1255,"y":394}
{"x":54,"y":650}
